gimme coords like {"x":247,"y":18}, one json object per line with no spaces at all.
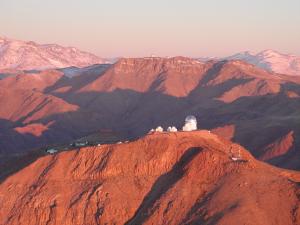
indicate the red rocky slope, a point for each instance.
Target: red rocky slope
{"x":163,"y":178}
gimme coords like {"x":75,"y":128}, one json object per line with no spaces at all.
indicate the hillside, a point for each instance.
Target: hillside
{"x":162,"y":178}
{"x":244,"y":103}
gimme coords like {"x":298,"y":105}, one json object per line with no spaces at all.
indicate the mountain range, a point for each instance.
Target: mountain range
{"x":28,"y":55}
{"x":272,"y":61}
{"x":237,"y":100}
{"x":233,"y":97}
{"x":78,"y":143}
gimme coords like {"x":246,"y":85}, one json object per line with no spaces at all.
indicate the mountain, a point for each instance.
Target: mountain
{"x":272,"y":61}
{"x":162,"y":178}
{"x":237,"y":100}
{"x":22,"y":55}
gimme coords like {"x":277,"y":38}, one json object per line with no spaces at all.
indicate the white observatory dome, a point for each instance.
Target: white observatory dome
{"x":190,"y":123}
{"x":191,"y":119}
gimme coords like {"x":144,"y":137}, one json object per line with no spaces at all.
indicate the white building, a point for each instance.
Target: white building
{"x":159,"y":129}
{"x":151,"y":131}
{"x":172,"y":129}
{"x":190,"y":123}
{"x":51,"y":151}
{"x":81,"y":143}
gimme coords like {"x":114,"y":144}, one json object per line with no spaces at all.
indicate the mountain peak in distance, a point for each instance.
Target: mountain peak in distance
{"x":28,"y":55}
{"x":271,"y":60}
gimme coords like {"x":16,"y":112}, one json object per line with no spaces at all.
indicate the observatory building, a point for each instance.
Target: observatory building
{"x":172,"y":129}
{"x":190,"y":123}
{"x":159,"y":129}
{"x":51,"y":150}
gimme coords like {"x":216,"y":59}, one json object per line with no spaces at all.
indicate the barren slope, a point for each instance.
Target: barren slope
{"x":170,"y":178}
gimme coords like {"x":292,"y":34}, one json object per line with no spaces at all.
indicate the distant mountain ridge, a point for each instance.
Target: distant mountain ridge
{"x":28,"y":55}
{"x":272,"y":61}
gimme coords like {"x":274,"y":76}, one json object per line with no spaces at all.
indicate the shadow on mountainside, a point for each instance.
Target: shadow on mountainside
{"x":13,"y":164}
{"x":161,"y":186}
{"x":196,"y":214}
{"x":77,"y":82}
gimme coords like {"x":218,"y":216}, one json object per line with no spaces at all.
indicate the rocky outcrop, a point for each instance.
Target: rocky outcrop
{"x":279,"y":147}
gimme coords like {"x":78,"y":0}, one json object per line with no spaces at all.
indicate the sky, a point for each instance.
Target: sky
{"x":133,"y":28}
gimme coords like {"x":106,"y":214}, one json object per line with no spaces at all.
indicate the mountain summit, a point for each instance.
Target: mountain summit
{"x":23,"y":55}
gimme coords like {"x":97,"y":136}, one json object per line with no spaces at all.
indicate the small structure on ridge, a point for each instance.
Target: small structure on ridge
{"x":190,"y":123}
{"x":172,"y":129}
{"x":51,"y":150}
{"x":159,"y":129}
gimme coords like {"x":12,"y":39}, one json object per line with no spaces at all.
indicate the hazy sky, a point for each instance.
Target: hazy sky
{"x":161,"y":27}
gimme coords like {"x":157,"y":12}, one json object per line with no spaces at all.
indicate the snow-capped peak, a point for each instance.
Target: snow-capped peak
{"x":28,"y":55}
{"x":271,"y":60}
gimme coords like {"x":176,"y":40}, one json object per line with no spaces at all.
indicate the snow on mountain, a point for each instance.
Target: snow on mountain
{"x":75,"y":71}
{"x":22,"y":55}
{"x":272,"y":61}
